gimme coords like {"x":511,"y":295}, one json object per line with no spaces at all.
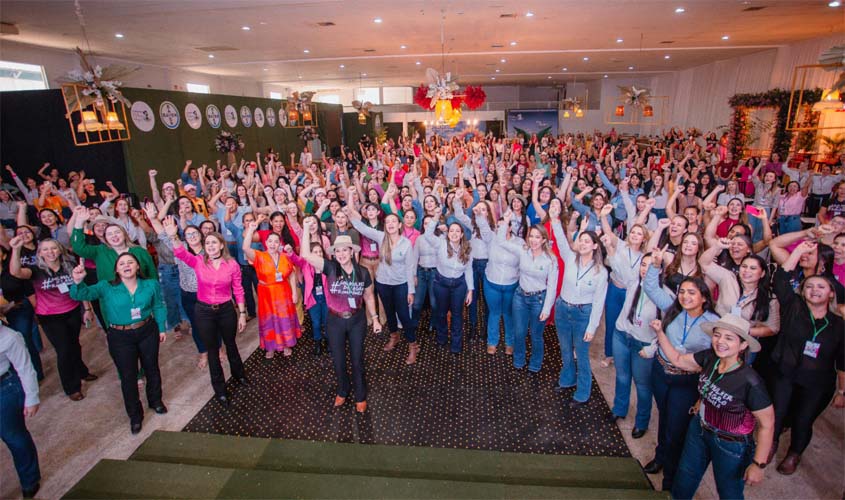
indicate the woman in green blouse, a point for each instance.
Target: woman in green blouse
{"x":137,"y":318}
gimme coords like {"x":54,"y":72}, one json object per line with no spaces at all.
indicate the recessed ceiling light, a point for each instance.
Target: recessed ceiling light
{"x":118,"y":35}
{"x":835,"y":3}
{"x":300,"y":77}
{"x":680,"y":10}
{"x":266,"y":69}
{"x":725,"y":37}
{"x":619,"y":40}
{"x":211,"y":56}
{"x":377,"y":20}
{"x":245,"y":28}
{"x":513,"y":44}
{"x":342,"y":66}
{"x":403,"y":46}
{"x":503,"y":60}
{"x":667,"y":56}
{"x":586,"y":58}
{"x":565,"y":69}
{"x":529,"y":14}
{"x":630,"y":67}
{"x":306,"y":51}
{"x":549,"y":77}
{"x":492,"y":77}
{"x":418,"y":63}
{"x":605,"y":76}
{"x":498,"y":70}
{"x":363,"y":74}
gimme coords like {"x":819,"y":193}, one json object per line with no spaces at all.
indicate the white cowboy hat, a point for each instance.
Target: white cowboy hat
{"x":344,"y":241}
{"x":734,"y":324}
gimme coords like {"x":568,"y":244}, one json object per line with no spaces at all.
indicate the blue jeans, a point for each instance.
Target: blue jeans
{"x":479,"y":269}
{"x":674,"y":395}
{"x":729,"y":458}
{"x":450,"y":293}
{"x":789,"y":224}
{"x":499,"y":299}
{"x":526,"y":317}
{"x":14,"y":433}
{"x":22,"y":320}
{"x":424,"y":288}
{"x":318,"y":313}
{"x":571,"y":323}
{"x":394,"y":298}
{"x":629,"y":364}
{"x":614,"y":300}
{"x":168,"y":276}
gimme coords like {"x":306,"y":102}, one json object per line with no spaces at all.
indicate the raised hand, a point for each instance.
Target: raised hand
{"x":170,"y":227}
{"x":79,"y":273}
{"x":16,"y":242}
{"x":606,"y":210}
{"x":554,"y":211}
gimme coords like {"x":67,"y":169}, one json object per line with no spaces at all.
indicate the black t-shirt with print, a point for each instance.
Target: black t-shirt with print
{"x":728,"y":399}
{"x":834,"y":206}
{"x":345,"y":292}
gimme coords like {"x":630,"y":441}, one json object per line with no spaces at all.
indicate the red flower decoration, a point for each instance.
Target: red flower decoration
{"x":474,"y":97}
{"x":420,"y":98}
{"x":456,"y":102}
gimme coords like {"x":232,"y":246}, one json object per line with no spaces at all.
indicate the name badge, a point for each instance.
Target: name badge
{"x":318,"y":290}
{"x":63,"y":288}
{"x":135,"y":312}
{"x":351,"y":301}
{"x":279,"y":277}
{"x":812,"y":349}
{"x":638,"y":323}
{"x":373,"y":247}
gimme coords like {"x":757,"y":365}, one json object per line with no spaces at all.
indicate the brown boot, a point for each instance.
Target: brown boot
{"x":391,"y":343}
{"x":413,"y":350}
{"x":789,"y":464}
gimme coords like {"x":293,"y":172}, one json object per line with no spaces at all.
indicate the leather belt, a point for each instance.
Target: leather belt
{"x":529,"y":294}
{"x":133,"y":326}
{"x":724,"y":436}
{"x":215,"y":307}
{"x":344,"y":315}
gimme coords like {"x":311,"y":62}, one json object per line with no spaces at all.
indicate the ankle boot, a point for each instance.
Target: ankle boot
{"x":789,"y":464}
{"x":413,"y":350}
{"x":391,"y":343}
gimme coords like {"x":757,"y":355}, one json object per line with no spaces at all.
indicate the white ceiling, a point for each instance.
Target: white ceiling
{"x":178,"y":34}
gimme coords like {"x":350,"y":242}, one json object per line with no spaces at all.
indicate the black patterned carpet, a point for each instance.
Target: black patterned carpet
{"x":472,"y":400}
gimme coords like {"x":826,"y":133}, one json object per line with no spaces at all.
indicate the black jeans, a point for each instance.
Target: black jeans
{"x":126,"y":348}
{"x":63,"y":332}
{"x":395,"y":301}
{"x":249,"y":280}
{"x":213,"y":322}
{"x":799,"y":405}
{"x":340,"y":330}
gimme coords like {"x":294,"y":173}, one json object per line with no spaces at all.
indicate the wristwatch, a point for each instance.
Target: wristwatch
{"x":759,"y":465}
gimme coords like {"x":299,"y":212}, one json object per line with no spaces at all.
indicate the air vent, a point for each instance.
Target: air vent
{"x":497,"y":46}
{"x":216,"y":48}
{"x":754,"y":8}
{"x":369,"y":50}
{"x":667,"y":42}
{"x":507,"y":16}
{"x":325,"y":24}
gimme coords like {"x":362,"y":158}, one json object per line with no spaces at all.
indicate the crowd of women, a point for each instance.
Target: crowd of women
{"x":716,"y":302}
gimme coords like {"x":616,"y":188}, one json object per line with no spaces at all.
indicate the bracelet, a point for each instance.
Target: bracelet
{"x":88,"y":309}
{"x":242,"y":312}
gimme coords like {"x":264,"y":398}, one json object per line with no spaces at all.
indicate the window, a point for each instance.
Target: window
{"x":371,"y":94}
{"x":397,"y":95}
{"x":198,"y":88}
{"x":328,"y":98}
{"x":19,"y":76}
{"x":276,"y":95}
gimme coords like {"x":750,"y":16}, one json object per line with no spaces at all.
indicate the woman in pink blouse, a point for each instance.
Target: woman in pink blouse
{"x":218,"y":278}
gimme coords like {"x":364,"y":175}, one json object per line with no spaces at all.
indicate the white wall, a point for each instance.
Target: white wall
{"x":58,"y":62}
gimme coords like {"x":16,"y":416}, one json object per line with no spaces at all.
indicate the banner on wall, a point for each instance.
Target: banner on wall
{"x":531,"y":121}
{"x":461,"y":130}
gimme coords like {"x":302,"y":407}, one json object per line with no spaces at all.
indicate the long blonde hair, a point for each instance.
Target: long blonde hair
{"x":386,"y":250}
{"x":66,"y":262}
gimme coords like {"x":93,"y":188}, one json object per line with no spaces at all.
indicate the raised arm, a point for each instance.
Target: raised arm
{"x":246,"y":246}
{"x":305,"y":247}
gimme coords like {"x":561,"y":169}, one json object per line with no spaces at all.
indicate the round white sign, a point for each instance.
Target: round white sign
{"x":259,"y":117}
{"x":142,"y":116}
{"x":283,"y":118}
{"x":169,"y":115}
{"x":231,"y":115}
{"x":212,"y":115}
{"x":193,"y":116}
{"x":271,"y":117}
{"x":246,"y":116}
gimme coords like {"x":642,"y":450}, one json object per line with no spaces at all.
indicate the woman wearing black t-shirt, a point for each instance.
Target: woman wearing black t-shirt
{"x":732,"y":398}
{"x":808,"y":358}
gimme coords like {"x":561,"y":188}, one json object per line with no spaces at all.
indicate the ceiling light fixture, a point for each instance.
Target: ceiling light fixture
{"x":300,"y":77}
{"x":306,"y":51}
{"x":342,"y":66}
{"x":403,"y":47}
{"x":725,"y":37}
{"x":211,"y":56}
{"x":498,"y":70}
{"x":835,"y":3}
{"x":513,"y":44}
{"x":118,"y":35}
{"x":619,"y":40}
{"x":586,"y":58}
{"x":605,"y":76}
{"x":377,"y":20}
{"x":363,"y":74}
{"x":630,"y":67}
{"x":266,"y":69}
{"x":503,"y":60}
{"x":245,"y":28}
{"x":418,"y":63}
{"x":492,"y":77}
{"x":667,"y":56}
{"x":565,"y":69}
{"x":549,"y":77}
{"x":680,"y":10}
{"x":529,"y":14}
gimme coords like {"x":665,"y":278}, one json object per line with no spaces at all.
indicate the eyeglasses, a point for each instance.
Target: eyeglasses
{"x":192,"y":235}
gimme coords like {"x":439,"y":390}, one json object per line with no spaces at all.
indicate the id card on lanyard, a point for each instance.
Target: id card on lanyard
{"x":811,"y":347}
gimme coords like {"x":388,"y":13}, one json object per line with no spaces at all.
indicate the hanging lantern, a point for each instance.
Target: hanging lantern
{"x":89,"y":122}
{"x":455,"y":118}
{"x":113,"y":122}
{"x":566,"y":114}
{"x":579,"y":113}
{"x":620,"y":110}
{"x":443,"y":110}
{"x":830,"y":101}
{"x":362,"y":118}
{"x":648,"y":110}
{"x":306,"y":115}
{"x":293,"y":115}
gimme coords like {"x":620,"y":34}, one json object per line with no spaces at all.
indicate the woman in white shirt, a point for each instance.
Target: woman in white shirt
{"x":532,"y":302}
{"x":501,"y":278}
{"x":579,"y":308}
{"x":453,"y":282}
{"x":394,"y":278}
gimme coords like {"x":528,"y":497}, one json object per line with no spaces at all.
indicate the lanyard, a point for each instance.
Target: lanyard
{"x":817,"y":331}
{"x":710,"y":382}
{"x":275,"y":261}
{"x":630,"y":258}
{"x":686,"y":330}
{"x":580,"y":276}
{"x":640,"y":303}
{"x":348,"y":277}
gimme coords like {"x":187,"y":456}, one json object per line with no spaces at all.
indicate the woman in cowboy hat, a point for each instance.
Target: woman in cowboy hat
{"x":348,"y":287}
{"x":732,"y":397}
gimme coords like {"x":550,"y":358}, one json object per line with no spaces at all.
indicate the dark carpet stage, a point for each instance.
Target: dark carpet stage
{"x":470,"y":401}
